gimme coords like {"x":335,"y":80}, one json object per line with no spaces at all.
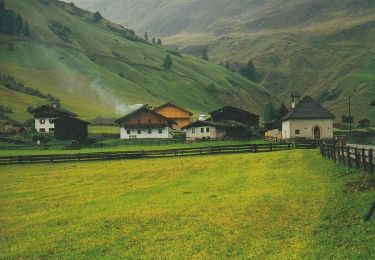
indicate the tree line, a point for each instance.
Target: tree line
{"x":12,"y":23}
{"x":272,"y":114}
{"x":9,"y":82}
{"x":153,"y":41}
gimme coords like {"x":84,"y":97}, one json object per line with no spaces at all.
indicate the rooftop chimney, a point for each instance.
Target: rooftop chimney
{"x":295,"y":99}
{"x":202,"y":117}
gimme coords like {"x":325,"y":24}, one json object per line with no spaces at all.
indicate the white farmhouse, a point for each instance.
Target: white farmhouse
{"x":212,"y":130}
{"x":145,"y":123}
{"x":308,"y":119}
{"x":46,"y":115}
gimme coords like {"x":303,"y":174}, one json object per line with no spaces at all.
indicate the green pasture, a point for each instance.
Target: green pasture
{"x":282,"y":205}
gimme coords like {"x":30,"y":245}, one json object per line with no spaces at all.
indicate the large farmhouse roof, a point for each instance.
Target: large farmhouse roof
{"x":143,"y":109}
{"x":219,"y":124}
{"x":46,"y":110}
{"x":172,"y":105}
{"x":230,"y":109}
{"x":308,"y":108}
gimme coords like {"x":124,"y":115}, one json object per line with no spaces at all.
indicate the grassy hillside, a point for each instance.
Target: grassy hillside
{"x":100,"y":68}
{"x":318,"y":47}
{"x":255,"y":207}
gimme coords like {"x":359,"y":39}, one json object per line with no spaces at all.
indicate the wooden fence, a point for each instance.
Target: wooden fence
{"x":352,"y":157}
{"x":359,"y":158}
{"x":100,"y":156}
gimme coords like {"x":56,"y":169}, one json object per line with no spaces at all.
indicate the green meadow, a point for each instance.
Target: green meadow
{"x":284,"y":205}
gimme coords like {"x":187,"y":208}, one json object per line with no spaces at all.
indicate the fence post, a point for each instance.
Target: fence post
{"x":255,"y":148}
{"x":364,"y":163}
{"x":371,"y":161}
{"x":348,"y":157}
{"x":271,"y":147}
{"x":288,"y":146}
{"x":343,"y":154}
{"x":356,"y":156}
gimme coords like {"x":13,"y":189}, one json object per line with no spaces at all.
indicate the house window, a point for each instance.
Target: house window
{"x":298,"y":131}
{"x":139,"y":131}
{"x":50,"y":121}
{"x":51,"y":130}
{"x":42,"y":121}
{"x":139,"y":121}
{"x":149,"y":131}
{"x":160,"y":131}
{"x":128,"y":132}
{"x":193,"y":130}
{"x":149,"y":121}
{"x":42,"y":130}
{"x":207,"y":129}
{"x":202,"y":130}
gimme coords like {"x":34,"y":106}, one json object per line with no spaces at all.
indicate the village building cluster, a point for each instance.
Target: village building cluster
{"x":307,"y":119}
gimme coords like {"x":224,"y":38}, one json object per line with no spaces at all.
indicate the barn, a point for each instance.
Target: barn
{"x":308,"y":119}
{"x":212,"y":130}
{"x":145,"y":123}
{"x":45,"y":117}
{"x":70,"y":128}
{"x":179,"y":115}
{"x":229,"y":113}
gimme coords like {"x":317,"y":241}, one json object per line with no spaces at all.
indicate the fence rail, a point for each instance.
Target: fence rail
{"x":359,"y":158}
{"x":101,"y":156}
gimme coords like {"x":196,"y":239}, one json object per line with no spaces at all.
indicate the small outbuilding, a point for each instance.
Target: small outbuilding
{"x":145,"y":123}
{"x":70,"y":128}
{"x":308,"y":119}
{"x":364,"y":123}
{"x":178,"y":114}
{"x":229,"y":113}
{"x":213,"y":130}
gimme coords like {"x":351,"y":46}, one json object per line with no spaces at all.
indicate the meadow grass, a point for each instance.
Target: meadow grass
{"x":284,"y":205}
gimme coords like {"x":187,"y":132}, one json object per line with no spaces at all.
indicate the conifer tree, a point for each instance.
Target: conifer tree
{"x":167,"y":62}
{"x":159,"y":42}
{"x":269,"y":113}
{"x":248,"y":71}
{"x":283,"y":110}
{"x":146,"y":37}
{"x":2,"y":5}
{"x":153,"y":40}
{"x":204,"y":55}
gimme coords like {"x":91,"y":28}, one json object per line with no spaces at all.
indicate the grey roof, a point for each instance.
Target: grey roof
{"x":308,"y":108}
